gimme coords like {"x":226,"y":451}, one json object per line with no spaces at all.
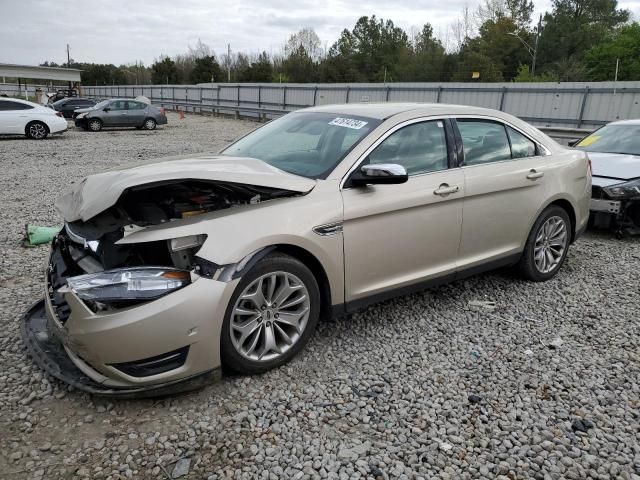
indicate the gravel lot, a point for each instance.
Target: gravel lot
{"x":542,"y":383}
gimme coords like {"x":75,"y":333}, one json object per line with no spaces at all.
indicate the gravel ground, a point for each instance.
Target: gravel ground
{"x":491,"y":377}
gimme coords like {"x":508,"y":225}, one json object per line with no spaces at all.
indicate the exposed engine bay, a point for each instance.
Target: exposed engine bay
{"x":92,"y":244}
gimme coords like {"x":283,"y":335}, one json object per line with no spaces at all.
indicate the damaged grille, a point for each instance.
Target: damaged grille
{"x":61,"y":267}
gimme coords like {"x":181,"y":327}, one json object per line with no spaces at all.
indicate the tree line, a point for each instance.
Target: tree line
{"x":578,"y":40}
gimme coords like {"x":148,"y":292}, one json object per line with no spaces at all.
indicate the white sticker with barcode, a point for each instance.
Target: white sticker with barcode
{"x":348,"y":122}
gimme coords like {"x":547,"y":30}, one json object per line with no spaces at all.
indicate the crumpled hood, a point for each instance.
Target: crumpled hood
{"x":615,"y":165}
{"x":96,"y":193}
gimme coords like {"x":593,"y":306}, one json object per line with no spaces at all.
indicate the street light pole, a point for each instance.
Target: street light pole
{"x":535,"y":51}
{"x":532,"y":51}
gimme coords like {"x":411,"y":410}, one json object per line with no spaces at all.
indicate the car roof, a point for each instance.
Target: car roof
{"x":631,"y":121}
{"x":383,"y":111}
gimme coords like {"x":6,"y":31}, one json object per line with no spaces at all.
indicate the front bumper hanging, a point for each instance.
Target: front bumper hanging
{"x":49,"y":353}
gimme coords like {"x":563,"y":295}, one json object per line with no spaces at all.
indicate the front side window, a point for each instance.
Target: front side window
{"x":419,"y":148}
{"x":310,"y":144}
{"x":483,"y":141}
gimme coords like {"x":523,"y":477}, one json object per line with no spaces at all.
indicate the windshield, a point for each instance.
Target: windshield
{"x":306,"y":144}
{"x":613,"y":139}
{"x":102,"y":104}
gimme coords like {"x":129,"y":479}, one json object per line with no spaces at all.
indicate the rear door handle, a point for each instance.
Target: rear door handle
{"x":444,"y":190}
{"x":533,"y":175}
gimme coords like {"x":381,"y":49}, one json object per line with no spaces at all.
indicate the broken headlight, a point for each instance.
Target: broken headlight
{"x":128,"y":285}
{"x":624,"y":190}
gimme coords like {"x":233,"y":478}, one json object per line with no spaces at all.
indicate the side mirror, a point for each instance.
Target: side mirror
{"x":573,"y":143}
{"x":379,"y":174}
{"x":106,"y":109}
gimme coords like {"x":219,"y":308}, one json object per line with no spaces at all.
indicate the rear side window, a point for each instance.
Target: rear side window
{"x":483,"y":141}
{"x":6,"y":105}
{"x":419,"y":148}
{"x":136,"y":106}
{"x":521,"y":146}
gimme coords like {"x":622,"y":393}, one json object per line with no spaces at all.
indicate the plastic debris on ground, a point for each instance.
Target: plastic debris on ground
{"x":38,"y":235}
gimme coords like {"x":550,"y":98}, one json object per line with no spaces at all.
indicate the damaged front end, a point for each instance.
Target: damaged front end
{"x":135,"y":319}
{"x":616,"y":206}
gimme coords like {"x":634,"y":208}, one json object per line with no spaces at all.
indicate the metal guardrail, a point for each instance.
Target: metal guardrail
{"x":262,"y":113}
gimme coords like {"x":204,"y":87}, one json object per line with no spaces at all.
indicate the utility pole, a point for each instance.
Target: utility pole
{"x":68,"y":61}
{"x":228,"y":63}
{"x":535,"y":50}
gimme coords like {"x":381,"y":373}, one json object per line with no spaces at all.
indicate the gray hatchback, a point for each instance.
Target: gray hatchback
{"x":120,"y":112}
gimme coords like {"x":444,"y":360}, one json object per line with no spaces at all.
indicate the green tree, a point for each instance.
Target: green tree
{"x":299,"y":66}
{"x":164,"y":71}
{"x":206,"y":69}
{"x":261,"y":70}
{"x":573,"y":28}
{"x":624,"y":45}
{"x":372,"y":48}
{"x":524,"y":75}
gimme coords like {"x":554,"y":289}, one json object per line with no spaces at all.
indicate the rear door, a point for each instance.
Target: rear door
{"x":398,"y":236}
{"x":137,"y":113}
{"x":504,"y":175}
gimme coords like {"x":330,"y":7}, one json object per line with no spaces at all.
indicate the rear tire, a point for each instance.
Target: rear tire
{"x":258,"y":334}
{"x":547,"y":246}
{"x":36,"y":130}
{"x":94,"y":124}
{"x":149,"y":124}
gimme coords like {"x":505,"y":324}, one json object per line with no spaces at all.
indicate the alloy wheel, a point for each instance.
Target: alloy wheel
{"x":37,"y":131}
{"x":95,"y":125}
{"x":270,"y":316}
{"x":150,"y":124}
{"x":551,"y":243}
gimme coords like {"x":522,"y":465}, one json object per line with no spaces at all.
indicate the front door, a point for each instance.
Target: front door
{"x":397,"y":236}
{"x":117,"y":116}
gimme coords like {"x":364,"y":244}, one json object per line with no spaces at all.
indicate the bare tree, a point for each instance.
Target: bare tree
{"x":307,"y":39}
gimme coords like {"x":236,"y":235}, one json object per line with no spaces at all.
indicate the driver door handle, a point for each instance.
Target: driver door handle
{"x":444,"y":190}
{"x":533,"y":175}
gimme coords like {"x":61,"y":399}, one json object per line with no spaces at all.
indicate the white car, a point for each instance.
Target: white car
{"x":19,"y":117}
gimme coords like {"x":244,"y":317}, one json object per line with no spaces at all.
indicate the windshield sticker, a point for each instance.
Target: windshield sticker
{"x":589,"y":140}
{"x":348,"y":122}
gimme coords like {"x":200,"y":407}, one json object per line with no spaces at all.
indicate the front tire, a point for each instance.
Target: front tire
{"x":271,"y":315}
{"x":547,"y":246}
{"x":94,"y":124}
{"x":36,"y":131}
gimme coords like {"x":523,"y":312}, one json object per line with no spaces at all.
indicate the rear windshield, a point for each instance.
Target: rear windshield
{"x":306,"y":143}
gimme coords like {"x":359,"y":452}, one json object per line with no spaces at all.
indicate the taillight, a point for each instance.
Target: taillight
{"x":590,"y":167}
{"x":59,"y":114}
{"x":162,"y":111}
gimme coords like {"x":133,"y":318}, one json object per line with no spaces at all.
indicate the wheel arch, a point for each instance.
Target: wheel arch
{"x":36,"y":120}
{"x":318,"y":271}
{"x":569,"y":208}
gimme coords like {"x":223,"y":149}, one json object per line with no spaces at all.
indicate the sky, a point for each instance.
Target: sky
{"x":126,"y":31}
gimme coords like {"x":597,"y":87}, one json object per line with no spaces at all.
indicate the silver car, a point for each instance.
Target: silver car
{"x":120,"y":112}
{"x":166,"y":272}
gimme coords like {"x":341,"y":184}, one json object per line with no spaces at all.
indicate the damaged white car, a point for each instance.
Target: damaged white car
{"x":165,"y":273}
{"x":614,"y":151}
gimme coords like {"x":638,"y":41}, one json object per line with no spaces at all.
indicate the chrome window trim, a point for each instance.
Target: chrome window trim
{"x":386,"y":135}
